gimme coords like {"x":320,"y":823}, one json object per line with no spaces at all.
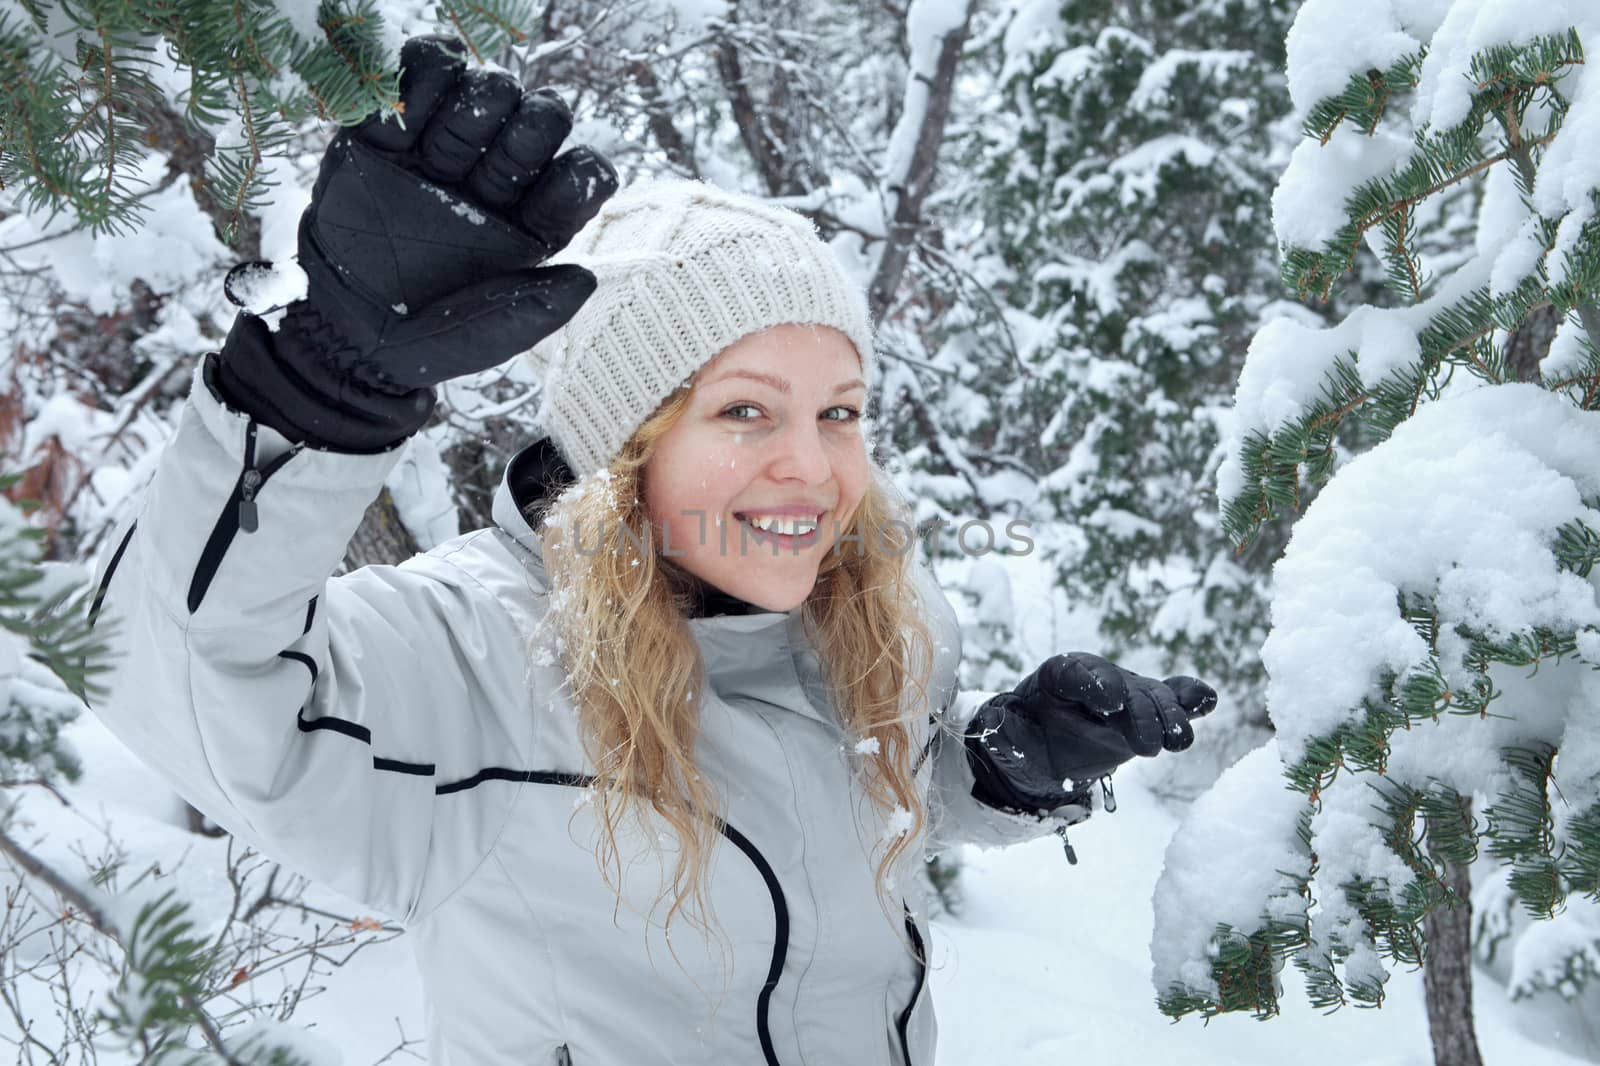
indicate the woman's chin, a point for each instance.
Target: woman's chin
{"x":780,"y":596}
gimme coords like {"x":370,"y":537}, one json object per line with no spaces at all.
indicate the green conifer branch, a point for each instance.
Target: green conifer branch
{"x":1364,"y":99}
{"x":69,"y":139}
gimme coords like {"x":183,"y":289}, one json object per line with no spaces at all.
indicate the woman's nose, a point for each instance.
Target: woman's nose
{"x":801,"y":455}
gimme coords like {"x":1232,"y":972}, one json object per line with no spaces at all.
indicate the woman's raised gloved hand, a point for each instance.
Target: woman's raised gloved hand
{"x":1072,"y":721}
{"x":421,"y":250}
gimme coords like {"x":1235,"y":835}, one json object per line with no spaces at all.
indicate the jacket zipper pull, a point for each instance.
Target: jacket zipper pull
{"x":249,"y":481}
{"x":1108,"y":795}
{"x":248,"y":520}
{"x":1072,"y":856}
{"x":563,"y":1056}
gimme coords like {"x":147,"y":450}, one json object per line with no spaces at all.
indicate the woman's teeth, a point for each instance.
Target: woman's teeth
{"x":789,"y":527}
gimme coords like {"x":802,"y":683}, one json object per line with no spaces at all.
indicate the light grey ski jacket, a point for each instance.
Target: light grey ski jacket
{"x":387,"y":732}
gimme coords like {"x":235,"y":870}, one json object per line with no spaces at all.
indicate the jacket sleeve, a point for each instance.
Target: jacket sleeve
{"x":956,"y":814}
{"x":333,"y":724}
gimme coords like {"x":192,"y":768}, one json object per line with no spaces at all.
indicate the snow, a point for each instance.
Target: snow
{"x":419,"y":484}
{"x":1446,"y":84}
{"x":1308,"y":205}
{"x":1541,"y":955}
{"x":1578,"y":786}
{"x":693,"y":15}
{"x":254,"y":1043}
{"x":1289,"y":360}
{"x":1460,"y":505}
{"x":173,"y":247}
{"x":1333,"y":39}
{"x":928,"y":22}
{"x":1097,"y":278}
{"x":1124,"y":525}
{"x":1569,"y":172}
{"x":1049,"y":962}
{"x":302,"y":16}
{"x":1518,"y":259}
{"x":1035,"y":25}
{"x":1046,"y":966}
{"x":1220,"y":867}
{"x":265,"y":290}
{"x":1070,"y":66}
{"x":1152,"y":90}
{"x":1150,"y":157}
{"x":459,"y":206}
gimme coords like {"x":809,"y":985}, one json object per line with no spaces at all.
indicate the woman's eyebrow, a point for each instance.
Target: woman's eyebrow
{"x":781,"y":384}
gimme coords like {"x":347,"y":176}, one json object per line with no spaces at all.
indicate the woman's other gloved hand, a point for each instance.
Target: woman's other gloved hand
{"x":1071,"y":722}
{"x":421,"y":250}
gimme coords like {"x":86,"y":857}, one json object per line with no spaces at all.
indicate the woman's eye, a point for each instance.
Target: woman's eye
{"x":850,"y":413}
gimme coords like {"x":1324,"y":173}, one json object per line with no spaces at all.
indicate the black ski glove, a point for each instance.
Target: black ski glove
{"x":1072,"y":721}
{"x":420,"y":249}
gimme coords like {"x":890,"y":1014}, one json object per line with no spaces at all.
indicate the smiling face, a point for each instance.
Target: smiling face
{"x":771,"y":435}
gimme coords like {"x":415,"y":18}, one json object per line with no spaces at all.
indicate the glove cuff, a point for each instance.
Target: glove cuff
{"x":291,"y":381}
{"x":1002,"y":776}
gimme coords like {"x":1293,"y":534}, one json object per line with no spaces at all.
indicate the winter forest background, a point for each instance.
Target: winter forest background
{"x":1279,"y":322}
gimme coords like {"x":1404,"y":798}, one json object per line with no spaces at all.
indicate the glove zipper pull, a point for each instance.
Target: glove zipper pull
{"x":1066,"y":846}
{"x":1108,"y":795}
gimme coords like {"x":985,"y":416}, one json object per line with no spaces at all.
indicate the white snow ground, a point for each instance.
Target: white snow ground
{"x":1048,"y":963}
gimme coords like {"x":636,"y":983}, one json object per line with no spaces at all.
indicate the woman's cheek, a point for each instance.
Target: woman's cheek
{"x":721,"y":467}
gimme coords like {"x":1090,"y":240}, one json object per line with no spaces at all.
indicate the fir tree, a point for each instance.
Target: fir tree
{"x":1436,"y":631}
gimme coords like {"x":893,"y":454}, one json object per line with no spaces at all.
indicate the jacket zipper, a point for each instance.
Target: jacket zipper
{"x":238,"y":513}
{"x":903,"y":1022}
{"x":780,"y":912}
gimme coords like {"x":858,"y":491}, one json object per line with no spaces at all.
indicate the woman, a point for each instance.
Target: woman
{"x":649,"y":683}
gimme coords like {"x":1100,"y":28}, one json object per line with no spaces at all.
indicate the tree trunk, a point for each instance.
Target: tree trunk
{"x":381,"y":537}
{"x":1447,"y":976}
{"x":1530,"y":342}
{"x":907,"y":191}
{"x":187,"y":151}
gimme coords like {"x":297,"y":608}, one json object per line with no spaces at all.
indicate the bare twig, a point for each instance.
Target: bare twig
{"x":91,"y":911}
{"x":36,"y":868}
{"x":764,"y":131}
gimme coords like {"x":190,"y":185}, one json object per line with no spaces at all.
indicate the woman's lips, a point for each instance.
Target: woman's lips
{"x":793,"y":542}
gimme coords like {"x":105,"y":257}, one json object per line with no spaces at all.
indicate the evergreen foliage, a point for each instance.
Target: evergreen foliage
{"x":49,"y":655}
{"x":83,"y":75}
{"x":1122,"y":238}
{"x":1459,"y":324}
{"x":1459,"y":329}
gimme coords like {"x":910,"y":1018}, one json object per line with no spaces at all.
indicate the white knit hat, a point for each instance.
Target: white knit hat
{"x":684,"y":269}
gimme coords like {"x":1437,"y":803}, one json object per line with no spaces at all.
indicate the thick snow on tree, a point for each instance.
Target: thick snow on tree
{"x":1434,"y":659}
